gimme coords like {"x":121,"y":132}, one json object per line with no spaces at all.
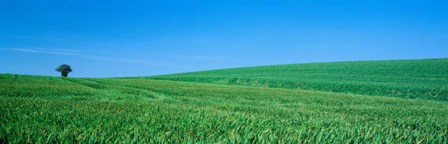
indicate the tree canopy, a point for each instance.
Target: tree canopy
{"x":64,"y":69}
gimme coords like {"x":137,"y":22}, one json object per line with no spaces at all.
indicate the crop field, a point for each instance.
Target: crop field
{"x":420,"y":79}
{"x":349,"y":102}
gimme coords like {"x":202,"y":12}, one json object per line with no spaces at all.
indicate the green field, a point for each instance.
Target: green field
{"x":346,"y":102}
{"x":421,"y":79}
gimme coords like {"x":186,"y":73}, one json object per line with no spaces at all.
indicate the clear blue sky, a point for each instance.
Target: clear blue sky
{"x":140,"y":38}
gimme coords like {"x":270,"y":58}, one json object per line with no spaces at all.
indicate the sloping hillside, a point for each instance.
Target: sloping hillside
{"x":421,"y":79}
{"x":37,"y":109}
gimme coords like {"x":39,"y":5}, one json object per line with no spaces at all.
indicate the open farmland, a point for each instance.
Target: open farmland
{"x":420,"y":79}
{"x":248,"y":105}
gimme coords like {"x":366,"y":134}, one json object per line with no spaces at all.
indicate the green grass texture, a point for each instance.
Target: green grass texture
{"x":419,"y":79}
{"x":41,"y":109}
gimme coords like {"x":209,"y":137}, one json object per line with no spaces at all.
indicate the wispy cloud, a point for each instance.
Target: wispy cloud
{"x":45,"y":51}
{"x":76,"y":53}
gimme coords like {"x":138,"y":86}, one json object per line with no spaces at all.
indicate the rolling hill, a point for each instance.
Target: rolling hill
{"x":421,"y":79}
{"x":345,"y":102}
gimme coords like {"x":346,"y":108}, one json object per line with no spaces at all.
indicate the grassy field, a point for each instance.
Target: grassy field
{"x":40,"y":109}
{"x":420,"y":79}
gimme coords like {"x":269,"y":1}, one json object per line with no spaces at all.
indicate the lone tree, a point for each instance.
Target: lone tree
{"x":64,"y":69}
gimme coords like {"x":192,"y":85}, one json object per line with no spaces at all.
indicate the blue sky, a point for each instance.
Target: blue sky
{"x":141,"y":38}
